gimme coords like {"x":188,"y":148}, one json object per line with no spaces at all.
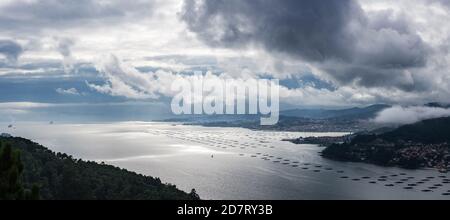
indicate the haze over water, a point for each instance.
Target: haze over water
{"x":233,"y":163}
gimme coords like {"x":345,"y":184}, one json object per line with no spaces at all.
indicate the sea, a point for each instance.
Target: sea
{"x":233,"y":163}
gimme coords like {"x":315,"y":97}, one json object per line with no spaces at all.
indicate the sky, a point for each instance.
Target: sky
{"x":89,"y":57}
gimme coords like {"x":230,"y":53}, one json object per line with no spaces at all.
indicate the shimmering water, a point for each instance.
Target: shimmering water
{"x":234,"y":163}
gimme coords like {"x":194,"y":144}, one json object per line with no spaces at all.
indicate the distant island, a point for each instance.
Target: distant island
{"x":31,"y":171}
{"x":425,"y":144}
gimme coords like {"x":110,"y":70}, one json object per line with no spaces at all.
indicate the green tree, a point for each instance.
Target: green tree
{"x":11,"y":169}
{"x":194,"y":195}
{"x":47,"y":175}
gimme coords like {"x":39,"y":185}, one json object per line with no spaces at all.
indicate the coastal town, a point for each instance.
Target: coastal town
{"x":406,"y":154}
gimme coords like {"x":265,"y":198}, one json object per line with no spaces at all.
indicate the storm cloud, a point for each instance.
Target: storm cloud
{"x":338,"y":36}
{"x":367,"y":51}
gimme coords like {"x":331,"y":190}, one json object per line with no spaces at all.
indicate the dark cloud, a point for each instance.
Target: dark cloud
{"x":370,"y":77}
{"x":11,"y":50}
{"x":443,"y":2}
{"x":368,"y":49}
{"x":305,"y":28}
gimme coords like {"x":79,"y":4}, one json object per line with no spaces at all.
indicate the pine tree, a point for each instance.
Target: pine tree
{"x":11,"y":168}
{"x":194,"y":195}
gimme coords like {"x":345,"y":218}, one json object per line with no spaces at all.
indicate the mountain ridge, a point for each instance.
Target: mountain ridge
{"x":355,"y":112}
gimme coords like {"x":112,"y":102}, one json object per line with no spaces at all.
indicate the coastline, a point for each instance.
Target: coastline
{"x":182,"y":155}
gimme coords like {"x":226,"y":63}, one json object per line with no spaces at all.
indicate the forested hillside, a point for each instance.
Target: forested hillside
{"x":31,"y":171}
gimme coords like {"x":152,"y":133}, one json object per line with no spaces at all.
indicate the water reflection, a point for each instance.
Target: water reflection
{"x":234,"y":163}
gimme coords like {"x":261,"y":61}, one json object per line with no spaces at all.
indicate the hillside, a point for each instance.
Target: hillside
{"x":430,"y":131}
{"x":350,"y":113}
{"x":61,"y":177}
{"x":423,"y":144}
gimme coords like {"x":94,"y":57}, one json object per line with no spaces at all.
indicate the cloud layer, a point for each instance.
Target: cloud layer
{"x":39,"y":15}
{"x":336,"y":35}
{"x":409,"y":115}
{"x":367,"y":51}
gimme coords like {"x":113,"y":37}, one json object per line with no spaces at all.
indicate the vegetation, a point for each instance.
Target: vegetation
{"x":50,"y":176}
{"x":431,"y":131}
{"x":11,"y":169}
{"x":423,"y":144}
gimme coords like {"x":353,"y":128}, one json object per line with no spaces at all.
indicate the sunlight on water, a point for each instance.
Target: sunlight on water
{"x":233,"y":163}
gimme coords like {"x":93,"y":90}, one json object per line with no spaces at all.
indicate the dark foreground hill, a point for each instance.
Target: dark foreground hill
{"x":29,"y":170}
{"x":423,"y":144}
{"x":431,"y":131}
